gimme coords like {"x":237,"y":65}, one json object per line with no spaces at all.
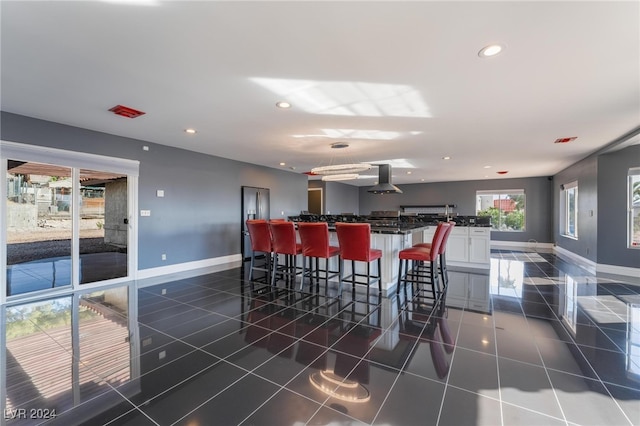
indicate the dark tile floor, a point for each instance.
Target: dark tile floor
{"x":539,"y":341}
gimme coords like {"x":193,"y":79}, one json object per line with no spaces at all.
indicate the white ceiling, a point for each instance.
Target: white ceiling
{"x":396,"y":80}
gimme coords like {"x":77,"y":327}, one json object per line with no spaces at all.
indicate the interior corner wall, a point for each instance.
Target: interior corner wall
{"x":585,"y":172}
{"x":612,"y":207}
{"x":199,"y":217}
{"x":538,"y":191}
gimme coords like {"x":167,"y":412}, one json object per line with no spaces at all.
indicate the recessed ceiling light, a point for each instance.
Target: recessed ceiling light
{"x":191,"y":131}
{"x":283,"y":104}
{"x":446,"y":158}
{"x":409,"y":173}
{"x":283,"y":164}
{"x":421,"y":180}
{"x":487,"y":167}
{"x":491,"y":50}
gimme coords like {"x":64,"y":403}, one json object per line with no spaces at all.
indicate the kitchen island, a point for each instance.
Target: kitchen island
{"x":467,"y":247}
{"x":390,"y":240}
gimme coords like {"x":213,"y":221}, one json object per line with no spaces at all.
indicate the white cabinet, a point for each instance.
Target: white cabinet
{"x":458,"y":245}
{"x":479,"y":245}
{"x":467,"y":246}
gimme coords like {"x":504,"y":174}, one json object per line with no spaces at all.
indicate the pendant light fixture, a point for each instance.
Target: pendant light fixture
{"x":340,"y":171}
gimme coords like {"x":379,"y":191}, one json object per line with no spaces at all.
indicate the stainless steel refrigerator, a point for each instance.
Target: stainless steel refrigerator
{"x":255,"y":205}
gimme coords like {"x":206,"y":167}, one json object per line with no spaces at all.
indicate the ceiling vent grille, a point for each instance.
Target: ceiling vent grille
{"x":126,"y":111}
{"x":566,"y":140}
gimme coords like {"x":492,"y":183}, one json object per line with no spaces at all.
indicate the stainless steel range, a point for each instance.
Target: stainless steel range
{"x":384,"y":219}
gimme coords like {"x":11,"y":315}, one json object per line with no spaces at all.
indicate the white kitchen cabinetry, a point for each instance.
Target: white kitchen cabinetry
{"x":480,"y":245}
{"x":467,"y":246}
{"x":458,"y":245}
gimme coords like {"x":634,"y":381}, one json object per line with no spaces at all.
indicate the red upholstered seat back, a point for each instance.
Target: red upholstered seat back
{"x":260,"y":235}
{"x":438,"y":237}
{"x":314,"y":238}
{"x":447,"y":232}
{"x":284,"y":237}
{"x":355,"y":241}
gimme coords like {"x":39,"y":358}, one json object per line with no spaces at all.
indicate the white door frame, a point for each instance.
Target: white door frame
{"x":76,"y":161}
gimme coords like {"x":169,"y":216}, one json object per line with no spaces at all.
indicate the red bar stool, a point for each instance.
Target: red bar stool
{"x":314,"y":238}
{"x":260,"y":243}
{"x":444,"y":274}
{"x":355,"y":245}
{"x":283,"y":236}
{"x":425,"y":256}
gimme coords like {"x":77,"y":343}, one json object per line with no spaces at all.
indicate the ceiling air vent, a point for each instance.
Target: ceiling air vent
{"x":126,"y":111}
{"x":566,"y":140}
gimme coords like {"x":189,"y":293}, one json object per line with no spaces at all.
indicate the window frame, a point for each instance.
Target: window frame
{"x":501,"y":192}
{"x":566,"y":190}
{"x":633,"y":176}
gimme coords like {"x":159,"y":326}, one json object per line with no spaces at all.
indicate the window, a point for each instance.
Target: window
{"x":634,"y":208}
{"x":570,"y":206}
{"x":506,"y":208}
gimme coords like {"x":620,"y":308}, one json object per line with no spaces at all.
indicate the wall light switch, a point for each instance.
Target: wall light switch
{"x":160,"y":193}
{"x":145,"y":212}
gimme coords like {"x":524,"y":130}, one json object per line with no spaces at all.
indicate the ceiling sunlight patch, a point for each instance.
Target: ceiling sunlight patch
{"x":348,"y":98}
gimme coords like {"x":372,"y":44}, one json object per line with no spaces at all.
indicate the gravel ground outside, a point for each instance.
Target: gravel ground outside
{"x":53,"y":240}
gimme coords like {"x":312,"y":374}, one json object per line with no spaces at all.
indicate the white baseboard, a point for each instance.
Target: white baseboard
{"x":583,"y":262}
{"x":618,"y":270}
{"x":594,"y":267}
{"x":153,"y":276}
{"x":520,"y":244}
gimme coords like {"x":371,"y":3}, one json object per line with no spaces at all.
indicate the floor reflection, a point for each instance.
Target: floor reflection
{"x":56,"y":272}
{"x":535,"y":341}
{"x":65,"y":351}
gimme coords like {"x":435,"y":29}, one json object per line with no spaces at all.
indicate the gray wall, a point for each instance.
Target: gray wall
{"x":199,"y":217}
{"x":538,"y":191}
{"x":341,"y":198}
{"x":338,"y":197}
{"x":602,"y":208}
{"x":585,"y":172}
{"x":612,"y":207}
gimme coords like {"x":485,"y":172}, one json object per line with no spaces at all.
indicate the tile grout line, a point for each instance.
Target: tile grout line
{"x":581,"y":353}
{"x":453,"y":356}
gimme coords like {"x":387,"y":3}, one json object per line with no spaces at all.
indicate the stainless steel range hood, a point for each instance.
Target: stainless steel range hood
{"x":384,"y":185}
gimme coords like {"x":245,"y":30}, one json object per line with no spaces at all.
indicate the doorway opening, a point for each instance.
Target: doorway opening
{"x":315,"y":201}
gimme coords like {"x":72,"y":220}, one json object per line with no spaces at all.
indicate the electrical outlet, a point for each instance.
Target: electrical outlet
{"x":162,"y":355}
{"x":164,"y":256}
{"x":145,"y":212}
{"x":145,"y":148}
{"x":164,"y":291}
{"x":160,"y":193}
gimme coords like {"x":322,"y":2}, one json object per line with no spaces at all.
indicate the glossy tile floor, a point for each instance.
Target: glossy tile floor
{"x":537,"y":342}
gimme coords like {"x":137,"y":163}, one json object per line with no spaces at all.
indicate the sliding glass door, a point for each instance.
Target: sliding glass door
{"x":66,"y":219}
{"x":103,"y":226}
{"x":38,"y":226}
